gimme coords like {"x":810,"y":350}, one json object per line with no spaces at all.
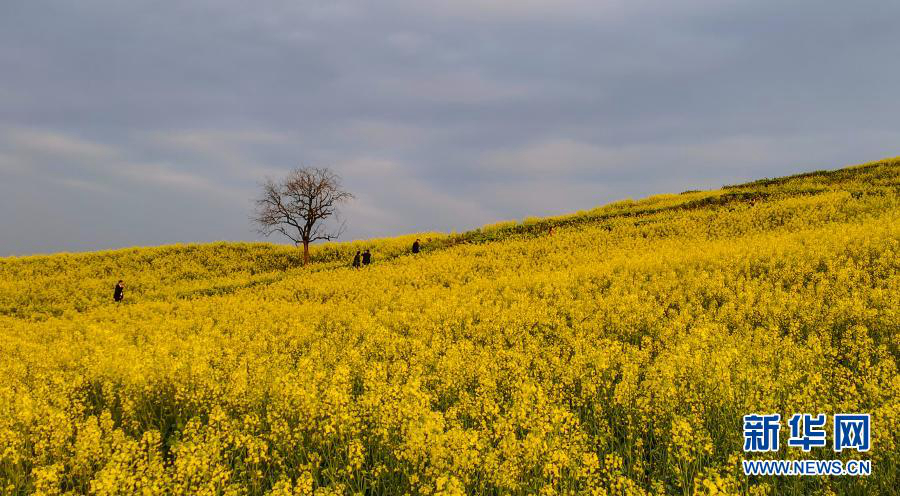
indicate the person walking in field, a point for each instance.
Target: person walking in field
{"x":356,"y":260}
{"x":366,"y":258}
{"x":119,"y":292}
{"x":415,"y":248}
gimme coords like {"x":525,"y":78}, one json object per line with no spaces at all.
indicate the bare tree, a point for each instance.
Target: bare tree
{"x":299,"y":205}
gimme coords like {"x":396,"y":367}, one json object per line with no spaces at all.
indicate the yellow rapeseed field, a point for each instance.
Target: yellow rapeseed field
{"x":615,"y":356}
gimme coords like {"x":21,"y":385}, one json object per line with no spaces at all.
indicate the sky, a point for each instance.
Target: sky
{"x":154,"y":122}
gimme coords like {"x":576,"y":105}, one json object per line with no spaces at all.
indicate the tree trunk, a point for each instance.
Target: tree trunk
{"x":305,"y":252}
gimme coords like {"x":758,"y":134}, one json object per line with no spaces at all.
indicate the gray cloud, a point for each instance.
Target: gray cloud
{"x":126,"y":123}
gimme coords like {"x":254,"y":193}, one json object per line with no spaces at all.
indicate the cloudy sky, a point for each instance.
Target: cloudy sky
{"x":152,"y":122}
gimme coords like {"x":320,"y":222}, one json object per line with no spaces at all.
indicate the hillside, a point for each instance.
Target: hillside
{"x":615,"y":356}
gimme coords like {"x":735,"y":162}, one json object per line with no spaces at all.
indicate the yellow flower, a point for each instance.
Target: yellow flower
{"x":615,"y":357}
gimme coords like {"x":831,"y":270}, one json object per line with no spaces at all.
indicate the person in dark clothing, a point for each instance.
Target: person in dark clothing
{"x":119,"y":293}
{"x":356,"y":260}
{"x":416,"y":246}
{"x":366,"y":257}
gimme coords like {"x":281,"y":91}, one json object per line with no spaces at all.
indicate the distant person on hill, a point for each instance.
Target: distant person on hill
{"x":366,"y":257}
{"x":550,"y":232}
{"x":415,"y":248}
{"x":356,"y":260}
{"x":119,"y":292}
